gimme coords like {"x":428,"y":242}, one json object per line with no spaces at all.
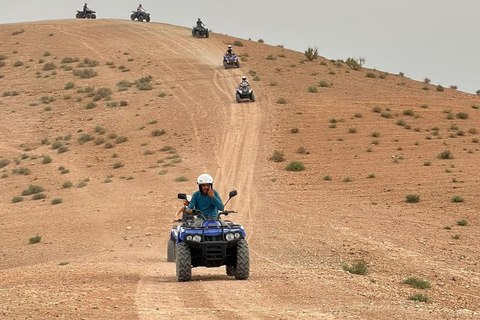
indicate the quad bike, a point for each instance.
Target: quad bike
{"x":244,"y":92}
{"x":231,"y":61}
{"x":200,"y":32}
{"x":89,"y":14}
{"x":140,"y":16}
{"x":215,"y":243}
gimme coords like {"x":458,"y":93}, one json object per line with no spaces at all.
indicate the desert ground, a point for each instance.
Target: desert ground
{"x":110,"y":119}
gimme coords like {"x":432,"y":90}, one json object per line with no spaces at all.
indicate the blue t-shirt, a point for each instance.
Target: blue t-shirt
{"x":208,"y":206}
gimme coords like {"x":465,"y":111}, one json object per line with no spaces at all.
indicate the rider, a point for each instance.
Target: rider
{"x":140,"y":9}
{"x":206,"y":199}
{"x":85,"y":8}
{"x":199,"y":24}
{"x":179,"y":214}
{"x":229,"y":50}
{"x":244,"y":82}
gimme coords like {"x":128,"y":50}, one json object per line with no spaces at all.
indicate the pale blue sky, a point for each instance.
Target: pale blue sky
{"x":438,"y":39}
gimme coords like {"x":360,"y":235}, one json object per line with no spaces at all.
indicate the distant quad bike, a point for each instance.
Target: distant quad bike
{"x":89,"y":14}
{"x":244,"y":92}
{"x":231,"y":61}
{"x":211,"y":245}
{"x":200,"y":32}
{"x":140,"y":16}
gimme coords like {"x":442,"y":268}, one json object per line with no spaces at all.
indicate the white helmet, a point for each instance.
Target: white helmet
{"x":229,"y":46}
{"x":204,"y":179}
{"x":244,"y":78}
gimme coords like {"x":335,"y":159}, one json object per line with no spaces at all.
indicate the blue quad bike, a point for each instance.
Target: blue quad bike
{"x":200,"y":32}
{"x":214,"y":244}
{"x":231,"y":61}
{"x":244,"y":92}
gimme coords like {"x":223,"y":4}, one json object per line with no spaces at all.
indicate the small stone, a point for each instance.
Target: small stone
{"x":129,"y":228}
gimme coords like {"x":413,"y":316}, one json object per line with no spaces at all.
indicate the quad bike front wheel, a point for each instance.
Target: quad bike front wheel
{"x":238,"y":98}
{"x":140,"y":18}
{"x":147,"y":19}
{"x":252,"y":97}
{"x":183,"y":262}
{"x":237,"y":64}
{"x":94,"y":16}
{"x":225,"y":65}
{"x":79,"y":15}
{"x":230,"y":270}
{"x":133,"y":16}
{"x":207,"y":34}
{"x":242,"y":269}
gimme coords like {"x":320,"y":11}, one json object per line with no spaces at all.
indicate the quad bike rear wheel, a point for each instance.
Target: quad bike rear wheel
{"x":94,"y":16}
{"x":252,"y":97}
{"x":79,"y":15}
{"x":171,"y":251}
{"x":238,"y":98}
{"x":133,"y":16}
{"x":242,"y":269}
{"x":183,"y":262}
{"x":230,"y":270}
{"x":207,"y":34}
{"x":147,"y":19}
{"x":237,"y":64}
{"x":225,"y":64}
{"x":140,"y":18}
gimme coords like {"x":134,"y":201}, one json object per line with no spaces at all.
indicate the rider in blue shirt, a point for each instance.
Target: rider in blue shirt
{"x":206,"y":199}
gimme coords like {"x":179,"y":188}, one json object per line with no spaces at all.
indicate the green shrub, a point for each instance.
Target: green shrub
{"x":18,"y":64}
{"x":157,"y":133}
{"x":46,"y":159}
{"x":281,"y":101}
{"x":371,"y":75}
{"x":303,"y":150}
{"x":295,"y":166}
{"x":271,"y":57}
{"x":62,"y":149}
{"x":123,"y":103}
{"x":35,"y":239}
{"x":462,"y":222}
{"x":57,"y":201}
{"x":323,"y":84}
{"x":418,"y":297}
{"x":358,"y":267}
{"x":69,"y":85}
{"x":352,"y":130}
{"x":311,"y":54}
{"x":181,"y":179}
{"x":144,"y":83}
{"x":327,"y":178}
{"x":238,"y":43}
{"x":457,"y":199}
{"x":49,"y":66}
{"x":355,"y":64}
{"x":87,"y":62}
{"x":412,"y":198}
{"x":408,"y":112}
{"x":312,"y":89}
{"x":440,"y":88}
{"x":38,"y":196}
{"x":17,"y":199}
{"x":294,"y":130}
{"x":69,"y":60}
{"x":121,"y":139}
{"x":256,"y":78}
{"x":67,"y":184}
{"x":277,"y":156}
{"x":417,"y":283}
{"x":85,"y":73}
{"x":445,"y":155}
{"x":84,"y":138}
{"x":117,"y":165}
{"x":377,"y":109}
{"x":100,"y":130}
{"x":462,"y":115}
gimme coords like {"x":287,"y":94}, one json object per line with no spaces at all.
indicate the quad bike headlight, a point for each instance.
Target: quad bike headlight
{"x":189,"y":238}
{"x":197,"y":238}
{"x":229,"y":236}
{"x":237,"y":235}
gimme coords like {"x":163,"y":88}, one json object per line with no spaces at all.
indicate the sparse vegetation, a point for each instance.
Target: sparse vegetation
{"x":181,"y":179}
{"x":85,"y":73}
{"x":355,"y":64}
{"x":46,"y":159}
{"x":144,"y":83}
{"x":281,"y":101}
{"x":294,"y":130}
{"x":417,"y":283}
{"x":371,"y":75}
{"x":121,"y":139}
{"x":49,"y":66}
{"x":295,"y":166}
{"x":35,"y":239}
{"x":18,"y":64}
{"x":312,"y":90}
{"x":358,"y":267}
{"x":32,"y":189}
{"x":462,"y":222}
{"x":117,"y":165}
{"x":440,"y":88}
{"x":419,"y":297}
{"x":412,"y":198}
{"x":57,"y":201}
{"x":457,"y":199}
{"x":277,"y":156}
{"x":17,"y":32}
{"x":67,"y":184}
{"x":17,"y":199}
{"x":462,"y":115}
{"x":323,"y":84}
{"x":311,"y":54}
{"x":445,"y":155}
{"x":238,"y":43}
{"x":157,"y":133}
{"x":271,"y":57}
{"x":69,"y":85}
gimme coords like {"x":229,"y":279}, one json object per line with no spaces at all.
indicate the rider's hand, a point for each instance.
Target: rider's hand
{"x":189,"y":211}
{"x":210,"y":193}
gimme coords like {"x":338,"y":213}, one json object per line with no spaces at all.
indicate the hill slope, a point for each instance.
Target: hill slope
{"x":159,"y":111}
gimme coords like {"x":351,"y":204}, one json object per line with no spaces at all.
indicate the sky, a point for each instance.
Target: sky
{"x":438,"y":39}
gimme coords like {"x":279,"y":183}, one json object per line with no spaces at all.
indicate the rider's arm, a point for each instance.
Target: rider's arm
{"x":193,"y":201}
{"x":217,"y":201}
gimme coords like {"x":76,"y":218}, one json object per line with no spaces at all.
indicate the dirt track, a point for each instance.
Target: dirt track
{"x":103,"y":250}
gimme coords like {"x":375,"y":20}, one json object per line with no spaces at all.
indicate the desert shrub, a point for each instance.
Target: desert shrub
{"x":21,"y":171}
{"x":84,"y":138}
{"x":157,"y":133}
{"x":90,"y":105}
{"x":273,"y":83}
{"x":277,"y":156}
{"x":261,"y":40}
{"x":311,"y":54}
{"x":46,"y":159}
{"x":49,"y":66}
{"x":358,"y":267}
{"x":412,"y":198}
{"x":447,"y":154}
{"x":39,"y":196}
{"x":238,"y":43}
{"x":62,"y":149}
{"x":32,"y":189}
{"x":144,"y":83}
{"x":426,"y":80}
{"x":117,"y":165}
{"x":271,"y":57}
{"x":401,"y":122}
{"x":256,"y":78}
{"x":18,"y":64}
{"x":17,"y":32}
{"x":376,"y":134}
{"x":85,"y":73}
{"x":103,"y":92}
{"x":417,"y":283}
{"x":57,"y":201}
{"x":453,"y":87}
{"x":294,"y":130}
{"x":371,"y":75}
{"x":377,"y":109}
{"x":462,"y":115}
{"x":386,"y":114}
{"x":440,"y":88}
{"x":327,"y":178}
{"x":303,"y":150}
{"x":69,"y":85}
{"x":312,"y":90}
{"x":408,"y":112}
{"x":69,"y":60}
{"x":121,"y":139}
{"x":124,"y":85}
{"x":17,"y":199}
{"x":281,"y":101}
{"x":123,"y":103}
{"x":419,"y":297}
{"x":295,"y":166}
{"x":462,"y":222}
{"x":35,"y":239}
{"x":87,"y":62}
{"x":181,"y":179}
{"x":3,"y":57}
{"x":355,"y":64}
{"x":67,"y":184}
{"x":323,"y":84}
{"x":98,"y":141}
{"x":457,"y":199}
